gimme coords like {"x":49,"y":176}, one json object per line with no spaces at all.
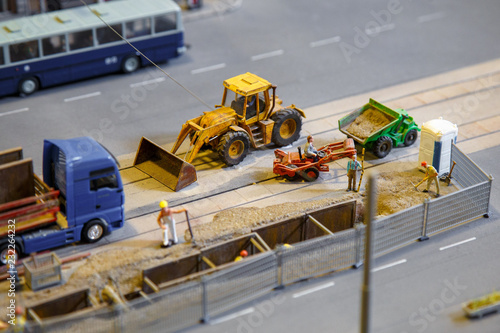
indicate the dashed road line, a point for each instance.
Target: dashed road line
{"x":145,"y":83}
{"x":208,"y":69}
{"x":267,"y":55}
{"x":14,"y":111}
{"x":314,"y":289}
{"x":324,"y":42}
{"x":430,"y":17}
{"x":379,"y":29}
{"x":232,"y":316}
{"x":402,"y":261}
{"x":458,"y":243}
{"x":76,"y":98}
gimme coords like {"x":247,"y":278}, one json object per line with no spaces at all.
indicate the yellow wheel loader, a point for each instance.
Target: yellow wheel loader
{"x":251,"y":114}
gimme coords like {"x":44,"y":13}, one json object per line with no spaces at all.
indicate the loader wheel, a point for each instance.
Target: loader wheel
{"x":287,"y":125}
{"x":312,"y":173}
{"x":411,"y":137}
{"x":233,"y":147}
{"x":382,"y":146}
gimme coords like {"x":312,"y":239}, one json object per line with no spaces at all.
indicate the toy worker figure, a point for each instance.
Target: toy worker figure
{"x":309,"y":150}
{"x":352,"y":168}
{"x":166,"y":217}
{"x":431,"y":175}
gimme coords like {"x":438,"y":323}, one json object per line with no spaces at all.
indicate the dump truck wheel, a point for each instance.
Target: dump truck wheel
{"x":382,"y":146}
{"x":233,"y":147}
{"x":93,"y":231}
{"x":313,"y":174}
{"x":411,"y":137}
{"x":287,"y":126}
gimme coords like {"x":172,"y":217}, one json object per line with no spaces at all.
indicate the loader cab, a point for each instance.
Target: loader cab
{"x":249,"y":96}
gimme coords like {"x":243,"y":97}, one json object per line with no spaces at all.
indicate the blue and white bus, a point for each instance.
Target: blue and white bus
{"x":72,"y":44}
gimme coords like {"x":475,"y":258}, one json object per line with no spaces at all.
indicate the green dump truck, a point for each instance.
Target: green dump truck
{"x":379,"y":128}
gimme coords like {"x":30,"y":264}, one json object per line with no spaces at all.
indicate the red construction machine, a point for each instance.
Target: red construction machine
{"x":294,"y":165}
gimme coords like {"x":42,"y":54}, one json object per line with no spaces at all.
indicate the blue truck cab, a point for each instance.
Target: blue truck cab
{"x":91,"y":193}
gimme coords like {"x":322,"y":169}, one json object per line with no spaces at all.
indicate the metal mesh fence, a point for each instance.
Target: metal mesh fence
{"x":239,"y":284}
{"x":458,"y":207}
{"x":398,"y":229}
{"x":466,"y":172}
{"x":101,"y":321}
{"x":318,"y":256}
{"x":167,"y":311}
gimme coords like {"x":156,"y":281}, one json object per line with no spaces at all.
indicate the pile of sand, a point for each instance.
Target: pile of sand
{"x":368,"y":122}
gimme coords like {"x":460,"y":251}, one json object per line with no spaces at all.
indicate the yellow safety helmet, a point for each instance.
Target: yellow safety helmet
{"x":163,"y":204}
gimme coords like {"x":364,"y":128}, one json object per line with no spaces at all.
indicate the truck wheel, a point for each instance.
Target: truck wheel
{"x":28,"y":86}
{"x":411,"y":137}
{"x":93,"y":231}
{"x":312,"y":174}
{"x":382,"y":146}
{"x":233,"y":147}
{"x":130,"y":64}
{"x":4,"y":252}
{"x":287,"y":126}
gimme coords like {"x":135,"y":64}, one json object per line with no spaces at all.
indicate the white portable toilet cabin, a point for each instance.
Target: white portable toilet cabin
{"x":435,"y":144}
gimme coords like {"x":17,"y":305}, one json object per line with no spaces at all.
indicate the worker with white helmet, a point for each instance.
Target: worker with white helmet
{"x":166,"y":218}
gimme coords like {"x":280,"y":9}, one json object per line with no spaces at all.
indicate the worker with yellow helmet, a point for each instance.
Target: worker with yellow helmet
{"x":166,"y":217}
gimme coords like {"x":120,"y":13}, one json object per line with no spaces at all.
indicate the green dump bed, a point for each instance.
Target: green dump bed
{"x":368,"y":122}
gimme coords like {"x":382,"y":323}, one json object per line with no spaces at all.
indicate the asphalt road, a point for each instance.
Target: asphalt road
{"x":314,"y":51}
{"x":419,"y":288}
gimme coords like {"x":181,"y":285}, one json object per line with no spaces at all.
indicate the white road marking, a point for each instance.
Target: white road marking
{"x":312,"y":290}
{"x":267,"y":55}
{"x":144,"y":83}
{"x":379,"y":29}
{"x":430,"y":17}
{"x":232,"y":316}
{"x":402,"y":261}
{"x":324,"y":42}
{"x":208,"y":69}
{"x":455,"y":244}
{"x":14,"y":111}
{"x":76,"y":98}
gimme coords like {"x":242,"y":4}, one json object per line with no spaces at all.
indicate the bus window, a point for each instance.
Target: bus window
{"x":138,"y":28}
{"x":54,"y":45}
{"x":106,"y":35}
{"x":2,"y":61}
{"x":165,"y":22}
{"x":24,"y":51}
{"x":80,"y":40}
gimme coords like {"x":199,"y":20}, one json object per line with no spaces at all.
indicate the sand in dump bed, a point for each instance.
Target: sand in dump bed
{"x":368,"y":122}
{"x":124,"y":265}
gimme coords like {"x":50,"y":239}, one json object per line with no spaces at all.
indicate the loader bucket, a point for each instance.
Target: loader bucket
{"x":164,"y":166}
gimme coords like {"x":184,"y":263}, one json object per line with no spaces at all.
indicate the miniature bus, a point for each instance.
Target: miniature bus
{"x":73,"y":44}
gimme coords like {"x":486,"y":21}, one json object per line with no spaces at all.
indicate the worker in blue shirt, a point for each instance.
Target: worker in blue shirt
{"x":352,"y":167}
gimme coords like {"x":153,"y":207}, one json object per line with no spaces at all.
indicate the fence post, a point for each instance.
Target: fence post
{"x":487,"y":214}
{"x":358,"y":262}
{"x":424,"y":222}
{"x":204,"y":301}
{"x":279,"y":272}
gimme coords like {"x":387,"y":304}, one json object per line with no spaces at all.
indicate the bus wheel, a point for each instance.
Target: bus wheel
{"x":28,"y":86}
{"x":130,"y":64}
{"x":93,"y":231}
